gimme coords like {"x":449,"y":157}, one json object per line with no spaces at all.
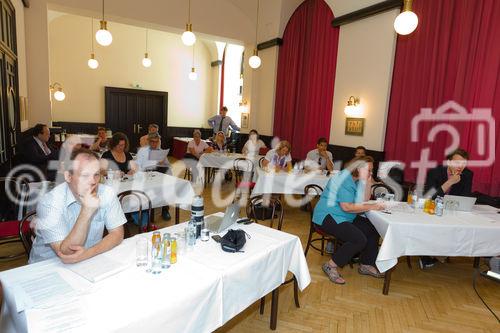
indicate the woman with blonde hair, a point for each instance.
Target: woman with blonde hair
{"x":279,"y":159}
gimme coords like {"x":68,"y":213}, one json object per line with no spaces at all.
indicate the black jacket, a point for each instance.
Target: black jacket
{"x":31,"y":153}
{"x":439,"y":175}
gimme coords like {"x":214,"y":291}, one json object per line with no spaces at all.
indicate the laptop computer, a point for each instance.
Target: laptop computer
{"x":217,"y":224}
{"x":465,"y":204}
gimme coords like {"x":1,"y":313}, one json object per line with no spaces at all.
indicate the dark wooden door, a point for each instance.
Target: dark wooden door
{"x":131,"y":110}
{"x":9,"y":92}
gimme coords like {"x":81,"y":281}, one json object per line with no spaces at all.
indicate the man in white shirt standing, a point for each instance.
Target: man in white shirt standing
{"x":320,"y":158}
{"x":71,"y":218}
{"x":222,"y":122}
{"x":145,"y":163}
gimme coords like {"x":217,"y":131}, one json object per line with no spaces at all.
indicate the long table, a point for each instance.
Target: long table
{"x":224,"y":161}
{"x":206,"y":288}
{"x":162,"y":189}
{"x":287,"y":183}
{"x":409,"y":233}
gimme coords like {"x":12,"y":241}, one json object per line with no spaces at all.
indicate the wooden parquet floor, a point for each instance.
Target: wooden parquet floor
{"x":440,"y":299}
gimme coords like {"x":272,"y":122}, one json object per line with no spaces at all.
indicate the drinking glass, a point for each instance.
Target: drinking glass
{"x":181,"y":243}
{"x":141,"y":252}
{"x":455,"y":207}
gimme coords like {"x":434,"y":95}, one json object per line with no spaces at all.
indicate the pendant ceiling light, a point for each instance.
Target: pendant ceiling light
{"x":146,"y":62}
{"x":406,"y":22}
{"x":103,"y":36}
{"x":188,"y":37}
{"x":254,"y":61}
{"x":92,"y":62}
{"x":193,"y":75}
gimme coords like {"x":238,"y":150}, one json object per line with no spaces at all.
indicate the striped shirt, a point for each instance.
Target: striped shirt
{"x":56,"y":215}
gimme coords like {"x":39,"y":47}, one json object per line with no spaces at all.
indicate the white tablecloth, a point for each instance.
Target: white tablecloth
{"x":200,"y":293}
{"x":406,"y":233}
{"x":162,"y":189}
{"x":286,"y":183}
{"x":224,"y":161}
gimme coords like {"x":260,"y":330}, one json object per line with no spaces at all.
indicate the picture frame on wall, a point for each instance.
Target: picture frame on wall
{"x":354,"y":126}
{"x":244,"y":120}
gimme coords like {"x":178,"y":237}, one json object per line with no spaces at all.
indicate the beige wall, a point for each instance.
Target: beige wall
{"x":120,"y":66}
{"x":364,"y":69}
{"x":262,"y":84}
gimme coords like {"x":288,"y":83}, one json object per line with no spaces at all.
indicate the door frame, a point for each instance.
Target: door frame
{"x":110,"y":90}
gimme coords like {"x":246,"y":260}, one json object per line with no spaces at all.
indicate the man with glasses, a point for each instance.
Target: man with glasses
{"x":320,"y":158}
{"x":152,"y":128}
{"x":146,"y":163}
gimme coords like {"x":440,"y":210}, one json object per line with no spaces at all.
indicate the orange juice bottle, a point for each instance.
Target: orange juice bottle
{"x":432,"y":207}
{"x":410,"y":197}
{"x":426,"y":206}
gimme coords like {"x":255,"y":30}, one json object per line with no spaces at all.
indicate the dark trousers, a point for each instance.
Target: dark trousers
{"x":360,"y":236}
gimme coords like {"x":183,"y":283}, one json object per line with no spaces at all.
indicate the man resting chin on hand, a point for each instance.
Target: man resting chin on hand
{"x":71,"y":218}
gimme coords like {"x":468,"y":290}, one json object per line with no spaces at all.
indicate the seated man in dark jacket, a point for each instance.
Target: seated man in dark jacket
{"x":453,"y":178}
{"x":36,"y":152}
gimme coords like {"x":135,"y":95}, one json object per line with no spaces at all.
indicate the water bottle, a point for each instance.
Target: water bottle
{"x":156,"y":259}
{"x":414,"y":198}
{"x":197,"y":214}
{"x":439,"y":206}
{"x":190,"y":235}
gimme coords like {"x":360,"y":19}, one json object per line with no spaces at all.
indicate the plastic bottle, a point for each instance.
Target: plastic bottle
{"x":414,"y":198}
{"x":439,"y":206}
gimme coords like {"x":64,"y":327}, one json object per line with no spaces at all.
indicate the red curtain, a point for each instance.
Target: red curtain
{"x":453,"y":55}
{"x":306,"y":76}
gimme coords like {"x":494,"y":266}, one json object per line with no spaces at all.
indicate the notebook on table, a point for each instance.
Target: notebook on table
{"x":97,"y":268}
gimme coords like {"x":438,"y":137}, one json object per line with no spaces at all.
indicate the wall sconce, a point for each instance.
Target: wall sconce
{"x":243,"y":105}
{"x":59,"y":95}
{"x":353,"y":109}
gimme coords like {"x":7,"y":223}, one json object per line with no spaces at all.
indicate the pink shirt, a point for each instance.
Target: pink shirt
{"x":198,"y":149}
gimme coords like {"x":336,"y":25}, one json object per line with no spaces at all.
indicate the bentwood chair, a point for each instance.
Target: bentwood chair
{"x":27,"y":231}
{"x":261,"y":160}
{"x":262,"y":208}
{"x":312,"y":193}
{"x":141,"y":197}
{"x":243,"y":174}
